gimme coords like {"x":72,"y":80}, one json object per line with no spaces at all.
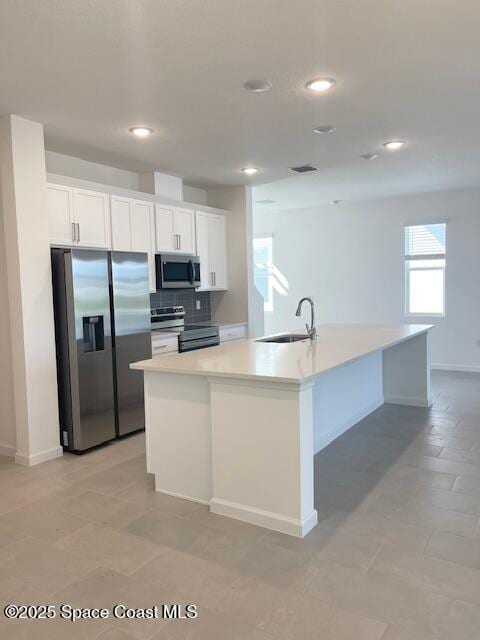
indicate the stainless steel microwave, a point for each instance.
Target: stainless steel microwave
{"x":174,"y":271}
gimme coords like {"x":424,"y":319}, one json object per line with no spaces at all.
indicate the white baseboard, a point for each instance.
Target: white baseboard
{"x":179,"y":495}
{"x":455,"y":367}
{"x":324,"y":439}
{"x":411,"y":402}
{"x":267,"y":519}
{"x":7,"y":450}
{"x":36,"y":458}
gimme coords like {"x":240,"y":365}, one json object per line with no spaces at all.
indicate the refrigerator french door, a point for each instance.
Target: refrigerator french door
{"x":94,"y":293}
{"x":130,"y":310}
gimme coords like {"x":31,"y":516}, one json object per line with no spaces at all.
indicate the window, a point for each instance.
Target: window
{"x":263,"y":269}
{"x":425,"y":269}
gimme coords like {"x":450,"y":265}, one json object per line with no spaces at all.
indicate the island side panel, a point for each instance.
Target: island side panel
{"x":178,"y":434}
{"x":406,"y":372}
{"x":346,"y":395}
{"x":262,"y":454}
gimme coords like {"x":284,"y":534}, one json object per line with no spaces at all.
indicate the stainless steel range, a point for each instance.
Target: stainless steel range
{"x":190,"y":336}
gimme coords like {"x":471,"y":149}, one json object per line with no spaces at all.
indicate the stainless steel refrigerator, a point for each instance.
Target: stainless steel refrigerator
{"x":102,"y":324}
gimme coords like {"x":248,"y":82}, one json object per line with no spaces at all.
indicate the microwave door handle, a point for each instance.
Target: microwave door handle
{"x":191,"y":271}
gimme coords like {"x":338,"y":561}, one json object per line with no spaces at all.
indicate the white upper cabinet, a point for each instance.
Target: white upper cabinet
{"x":60,"y":211}
{"x":143,"y":235}
{"x":184,"y":229}
{"x":174,"y":230}
{"x":121,"y":212}
{"x":211,"y":247}
{"x":133,"y":229}
{"x":91,"y":213}
{"x":165,"y":240}
{"x":78,"y":217}
{"x":202,"y":249}
{"x":217,"y":251}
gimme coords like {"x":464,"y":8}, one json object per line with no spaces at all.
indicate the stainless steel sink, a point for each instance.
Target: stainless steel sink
{"x":285,"y":337}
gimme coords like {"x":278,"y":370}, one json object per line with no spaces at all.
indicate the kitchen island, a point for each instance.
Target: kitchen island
{"x":236,"y":426}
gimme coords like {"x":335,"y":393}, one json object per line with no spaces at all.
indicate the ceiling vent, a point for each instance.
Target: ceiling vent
{"x":266,"y":201}
{"x":304,"y":168}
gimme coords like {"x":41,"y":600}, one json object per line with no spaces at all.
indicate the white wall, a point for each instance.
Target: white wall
{"x":77,"y":168}
{"x":161,"y":184}
{"x":27,"y":250}
{"x":194,"y":194}
{"x":349,"y":257}
{"x":8,"y":440}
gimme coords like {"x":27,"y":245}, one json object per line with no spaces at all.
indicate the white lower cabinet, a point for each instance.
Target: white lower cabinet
{"x":235,"y":332}
{"x":78,"y":217}
{"x":211,"y":247}
{"x":133,"y":229}
{"x":162,"y":344}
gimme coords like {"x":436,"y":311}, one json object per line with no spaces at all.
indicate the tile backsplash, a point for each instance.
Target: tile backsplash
{"x":188,"y":299}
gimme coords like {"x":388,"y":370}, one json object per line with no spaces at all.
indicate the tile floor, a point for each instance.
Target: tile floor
{"x":396,"y":555}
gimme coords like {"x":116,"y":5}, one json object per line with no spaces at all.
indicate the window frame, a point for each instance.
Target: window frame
{"x":407,"y":269}
{"x":267,"y":302}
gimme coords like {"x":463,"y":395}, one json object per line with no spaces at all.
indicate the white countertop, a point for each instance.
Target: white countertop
{"x":336,"y":345}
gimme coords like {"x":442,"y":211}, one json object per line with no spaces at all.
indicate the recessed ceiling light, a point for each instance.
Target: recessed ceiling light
{"x":141,"y":132}
{"x":369,"y":156}
{"x":321,"y":84}
{"x":257,"y":86}
{"x":336,"y":201}
{"x":250,"y":170}
{"x":393,"y":145}
{"x":327,"y":128}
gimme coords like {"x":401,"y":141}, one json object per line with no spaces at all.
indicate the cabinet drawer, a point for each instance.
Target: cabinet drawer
{"x":161,"y":345}
{"x":232,"y":333}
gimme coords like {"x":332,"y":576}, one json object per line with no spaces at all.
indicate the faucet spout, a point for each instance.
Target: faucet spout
{"x":312,"y":332}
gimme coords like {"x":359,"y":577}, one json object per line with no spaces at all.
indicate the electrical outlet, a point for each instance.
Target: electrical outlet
{"x":198,"y":305}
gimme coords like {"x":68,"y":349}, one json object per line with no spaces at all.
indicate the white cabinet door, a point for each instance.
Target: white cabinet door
{"x":164,"y":229}
{"x":92,"y":214}
{"x":60,"y":211}
{"x":202,"y":220}
{"x":217,"y":251}
{"x":121,"y":212}
{"x":238,"y":332}
{"x":184,"y":229}
{"x":142,"y":224}
{"x":211,"y":248}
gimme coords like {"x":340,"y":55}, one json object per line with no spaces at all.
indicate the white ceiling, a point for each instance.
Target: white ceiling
{"x":89,"y":70}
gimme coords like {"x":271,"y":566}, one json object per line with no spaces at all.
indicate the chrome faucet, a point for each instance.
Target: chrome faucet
{"x":312,"y":332}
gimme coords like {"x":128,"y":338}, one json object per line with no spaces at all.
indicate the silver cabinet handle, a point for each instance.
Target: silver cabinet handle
{"x":214,"y":278}
{"x":78,"y":232}
{"x":176,"y":241}
{"x":74,"y":235}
